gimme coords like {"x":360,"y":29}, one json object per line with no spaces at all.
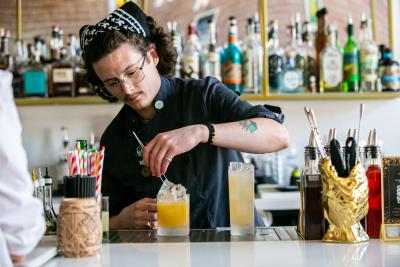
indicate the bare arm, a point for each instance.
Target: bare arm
{"x":259,"y":135}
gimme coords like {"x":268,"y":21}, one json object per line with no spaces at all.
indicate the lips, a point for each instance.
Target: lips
{"x":133,"y":98}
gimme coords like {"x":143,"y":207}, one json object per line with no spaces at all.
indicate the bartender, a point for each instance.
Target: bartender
{"x":191,"y":128}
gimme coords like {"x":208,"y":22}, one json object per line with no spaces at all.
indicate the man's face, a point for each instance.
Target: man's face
{"x":130,"y":76}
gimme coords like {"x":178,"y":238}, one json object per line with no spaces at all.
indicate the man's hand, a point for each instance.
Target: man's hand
{"x":141,"y":214}
{"x":160,"y":151}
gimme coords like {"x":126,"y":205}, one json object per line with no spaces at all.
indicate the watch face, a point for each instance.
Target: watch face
{"x":145,"y":171}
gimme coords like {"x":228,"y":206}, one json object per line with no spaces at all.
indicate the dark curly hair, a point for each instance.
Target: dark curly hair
{"x":111,"y":40}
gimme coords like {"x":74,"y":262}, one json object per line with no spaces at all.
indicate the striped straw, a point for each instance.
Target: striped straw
{"x":99,"y":167}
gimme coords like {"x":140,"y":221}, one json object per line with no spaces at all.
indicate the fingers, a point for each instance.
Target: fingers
{"x":147,"y":204}
{"x":159,"y":153}
{"x":166,"y":160}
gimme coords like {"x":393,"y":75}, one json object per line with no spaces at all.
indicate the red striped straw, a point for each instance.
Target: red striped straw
{"x":74,"y":164}
{"x":99,"y":167}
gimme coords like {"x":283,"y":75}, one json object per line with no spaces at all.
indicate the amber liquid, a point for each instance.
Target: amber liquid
{"x":374,"y":216}
{"x":314,"y":224}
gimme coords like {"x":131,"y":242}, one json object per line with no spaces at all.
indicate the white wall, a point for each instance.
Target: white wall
{"x":42,"y":135}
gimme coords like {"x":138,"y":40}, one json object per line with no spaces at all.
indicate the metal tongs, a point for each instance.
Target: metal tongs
{"x":166,"y":183}
{"x":314,"y":127}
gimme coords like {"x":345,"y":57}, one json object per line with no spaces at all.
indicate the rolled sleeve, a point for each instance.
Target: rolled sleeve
{"x":224,"y":105}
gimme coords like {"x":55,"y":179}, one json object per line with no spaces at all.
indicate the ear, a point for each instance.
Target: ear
{"x":153,"y":55}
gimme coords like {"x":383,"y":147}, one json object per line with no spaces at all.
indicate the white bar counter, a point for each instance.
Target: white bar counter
{"x":206,"y":248}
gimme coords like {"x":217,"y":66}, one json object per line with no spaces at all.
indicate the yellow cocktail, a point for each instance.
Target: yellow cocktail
{"x":173,"y":217}
{"x":241,"y":198}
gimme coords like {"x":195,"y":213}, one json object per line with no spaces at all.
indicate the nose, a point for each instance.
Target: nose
{"x":126,"y":86}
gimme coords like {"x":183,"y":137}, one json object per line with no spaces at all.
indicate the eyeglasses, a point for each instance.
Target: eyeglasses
{"x":131,"y":77}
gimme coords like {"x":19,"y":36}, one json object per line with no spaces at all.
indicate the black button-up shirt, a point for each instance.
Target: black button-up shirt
{"x":203,"y":170}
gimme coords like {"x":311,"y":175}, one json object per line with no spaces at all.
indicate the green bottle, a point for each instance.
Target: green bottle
{"x":351,"y":72}
{"x":232,"y":64}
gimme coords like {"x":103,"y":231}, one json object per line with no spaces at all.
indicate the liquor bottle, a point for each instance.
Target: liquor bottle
{"x":310,"y":70}
{"x":293,"y":77}
{"x":331,"y":64}
{"x":191,"y":55}
{"x":252,"y":60}
{"x":311,"y":218}
{"x":389,"y":72}
{"x":374,"y":172}
{"x":51,"y":217}
{"x":351,"y":73}
{"x":320,"y":39}
{"x":177,"y":40}
{"x":55,"y":43}
{"x":35,"y":75}
{"x":212,"y":61}
{"x":369,"y":56}
{"x":6,"y":59}
{"x":276,"y":60}
{"x":35,"y":182}
{"x":62,"y":81}
{"x":300,"y":50}
{"x":232,"y":66}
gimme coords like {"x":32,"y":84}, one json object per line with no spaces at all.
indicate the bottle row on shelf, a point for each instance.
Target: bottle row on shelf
{"x":312,"y":61}
{"x":320,"y":64}
{"x":45,"y":69}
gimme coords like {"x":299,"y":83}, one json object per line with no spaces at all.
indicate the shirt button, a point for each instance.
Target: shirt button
{"x":159,"y":104}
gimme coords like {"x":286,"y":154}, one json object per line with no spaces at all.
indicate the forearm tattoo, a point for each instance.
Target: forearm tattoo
{"x":248,"y":125}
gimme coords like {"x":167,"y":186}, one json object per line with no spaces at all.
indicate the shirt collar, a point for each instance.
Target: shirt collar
{"x":160,"y":101}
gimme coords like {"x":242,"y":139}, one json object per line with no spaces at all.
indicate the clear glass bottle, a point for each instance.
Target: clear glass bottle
{"x":177,"y":40}
{"x":314,"y":223}
{"x":232,"y":66}
{"x":311,"y":217}
{"x":310,"y":64}
{"x":252,"y":60}
{"x":331,"y":64}
{"x":55,"y":43}
{"x":320,"y":38}
{"x":276,"y":61}
{"x":212,"y":61}
{"x":293,"y":77}
{"x":51,"y":217}
{"x":369,"y":57}
{"x":351,"y":72}
{"x":35,"y":182}
{"x":6,"y":59}
{"x":191,"y":55}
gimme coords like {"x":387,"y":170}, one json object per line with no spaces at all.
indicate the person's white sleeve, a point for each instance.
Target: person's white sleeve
{"x":21,"y":219}
{"x":5,"y":260}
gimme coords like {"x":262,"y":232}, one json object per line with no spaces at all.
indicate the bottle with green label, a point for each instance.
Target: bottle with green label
{"x":351,"y":73}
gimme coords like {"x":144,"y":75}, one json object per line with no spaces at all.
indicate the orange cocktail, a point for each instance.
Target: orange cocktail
{"x":173,"y":217}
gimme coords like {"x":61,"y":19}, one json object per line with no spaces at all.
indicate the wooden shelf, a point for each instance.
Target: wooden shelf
{"x":90,"y":100}
{"x":326,"y":96}
{"x":38,"y":101}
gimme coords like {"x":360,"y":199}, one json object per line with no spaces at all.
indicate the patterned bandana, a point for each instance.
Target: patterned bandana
{"x":128,"y":17}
